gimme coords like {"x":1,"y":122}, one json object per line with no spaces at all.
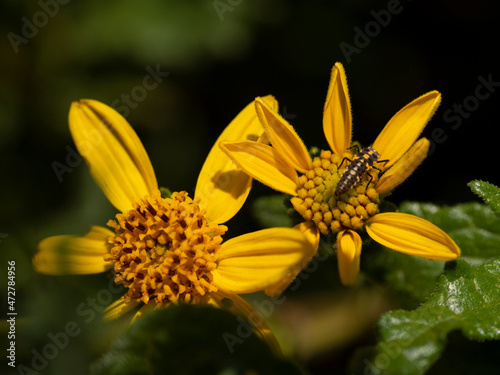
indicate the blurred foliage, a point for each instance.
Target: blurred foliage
{"x":216,"y":64}
{"x":270,"y":211}
{"x":190,"y":340}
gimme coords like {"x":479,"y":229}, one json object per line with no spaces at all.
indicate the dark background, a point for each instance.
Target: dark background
{"x":218,"y":59}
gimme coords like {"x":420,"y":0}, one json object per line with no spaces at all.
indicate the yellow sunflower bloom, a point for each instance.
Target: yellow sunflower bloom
{"x":170,"y":250}
{"x":312,"y":183}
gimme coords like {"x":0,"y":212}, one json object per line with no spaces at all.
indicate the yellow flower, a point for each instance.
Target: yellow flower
{"x":314,"y":193}
{"x":170,"y":250}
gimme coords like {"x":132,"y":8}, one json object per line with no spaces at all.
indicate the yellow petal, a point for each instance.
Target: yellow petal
{"x":311,"y":231}
{"x":118,"y":308}
{"x":404,"y":167}
{"x":221,"y":186}
{"x":337,"y":120}
{"x":257,"y":260}
{"x":412,"y":235}
{"x":71,"y":255}
{"x":283,"y":137}
{"x":405,"y":126}
{"x":115,"y":155}
{"x":241,"y":308}
{"x":264,"y":163}
{"x":348,"y":254}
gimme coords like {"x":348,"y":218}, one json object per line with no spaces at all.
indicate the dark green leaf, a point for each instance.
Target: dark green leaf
{"x":187,"y":339}
{"x":467,"y":299}
{"x":490,"y":194}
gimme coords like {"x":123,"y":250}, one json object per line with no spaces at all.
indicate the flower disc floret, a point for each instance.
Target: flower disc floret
{"x":316,"y":199}
{"x":164,"y":250}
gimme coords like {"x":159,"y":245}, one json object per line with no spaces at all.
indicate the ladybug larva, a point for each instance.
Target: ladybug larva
{"x":360,"y":165}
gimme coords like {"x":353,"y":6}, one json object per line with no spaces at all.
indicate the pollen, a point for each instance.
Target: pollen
{"x":316,"y":199}
{"x":164,"y":250}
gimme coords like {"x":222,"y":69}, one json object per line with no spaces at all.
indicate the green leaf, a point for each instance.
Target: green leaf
{"x":271,"y":211}
{"x":187,"y":339}
{"x":473,"y":226}
{"x":490,"y":194}
{"x":467,"y":299}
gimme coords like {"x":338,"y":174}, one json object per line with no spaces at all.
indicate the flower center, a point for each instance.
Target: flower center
{"x":316,"y":199}
{"x":164,"y":250}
